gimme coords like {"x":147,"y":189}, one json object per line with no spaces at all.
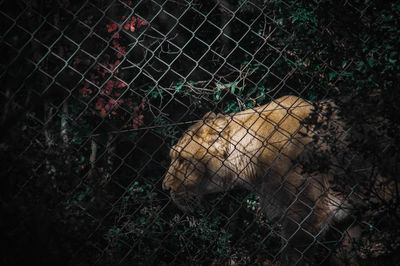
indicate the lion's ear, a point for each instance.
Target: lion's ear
{"x":209,"y":115}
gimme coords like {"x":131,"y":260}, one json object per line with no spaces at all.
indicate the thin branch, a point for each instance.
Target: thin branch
{"x":110,"y":147}
{"x":64,"y":124}
{"x":93,"y":154}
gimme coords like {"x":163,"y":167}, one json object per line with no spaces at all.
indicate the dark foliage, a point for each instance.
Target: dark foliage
{"x":95,"y":93}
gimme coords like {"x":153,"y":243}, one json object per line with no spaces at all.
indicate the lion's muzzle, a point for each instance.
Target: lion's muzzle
{"x":165,"y":186}
{"x":168,"y":182}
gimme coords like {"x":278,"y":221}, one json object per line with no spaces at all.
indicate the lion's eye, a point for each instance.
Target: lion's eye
{"x":180,"y":160}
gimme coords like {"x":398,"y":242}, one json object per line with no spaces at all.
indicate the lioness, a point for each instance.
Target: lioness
{"x":259,"y":149}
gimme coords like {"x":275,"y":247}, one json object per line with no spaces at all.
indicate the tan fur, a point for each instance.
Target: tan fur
{"x":257,"y":149}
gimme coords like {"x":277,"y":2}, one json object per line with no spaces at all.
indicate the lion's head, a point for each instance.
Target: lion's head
{"x":197,"y":161}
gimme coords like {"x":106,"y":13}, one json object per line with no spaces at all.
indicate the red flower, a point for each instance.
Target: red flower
{"x":109,"y":87}
{"x":121,"y":84}
{"x":109,"y":84}
{"x":137,"y":120}
{"x":85,"y":91}
{"x":134,"y":23}
{"x":116,"y":64}
{"x":141,"y":22}
{"x":107,"y":91}
{"x":115,"y":104}
{"x":112,"y":27}
{"x":100,"y":103}
{"x":116,"y":45}
{"x":127,"y":25}
{"x":107,"y":107}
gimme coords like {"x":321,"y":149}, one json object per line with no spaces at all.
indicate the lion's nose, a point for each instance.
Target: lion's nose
{"x":165,"y":186}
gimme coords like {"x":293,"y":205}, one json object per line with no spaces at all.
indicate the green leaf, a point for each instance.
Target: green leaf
{"x":230,"y":107}
{"x":81,"y":160}
{"x":179,"y":87}
{"x":332,"y":76}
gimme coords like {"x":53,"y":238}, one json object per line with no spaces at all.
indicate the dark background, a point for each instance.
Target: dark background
{"x":93,"y":94}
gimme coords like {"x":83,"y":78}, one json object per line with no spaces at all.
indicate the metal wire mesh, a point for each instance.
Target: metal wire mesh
{"x":95,"y":94}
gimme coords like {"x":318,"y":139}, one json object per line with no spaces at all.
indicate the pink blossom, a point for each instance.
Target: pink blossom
{"x":127,"y":25}
{"x":121,"y":84}
{"x":107,"y":107}
{"x":141,"y":22}
{"x":112,"y":27}
{"x":100,"y":103}
{"x":110,"y":84}
{"x":85,"y":91}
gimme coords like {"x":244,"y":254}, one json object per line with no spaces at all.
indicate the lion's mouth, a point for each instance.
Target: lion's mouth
{"x":186,"y":201}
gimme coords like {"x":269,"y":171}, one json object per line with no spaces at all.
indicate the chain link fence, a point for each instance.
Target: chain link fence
{"x":95,"y":94}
